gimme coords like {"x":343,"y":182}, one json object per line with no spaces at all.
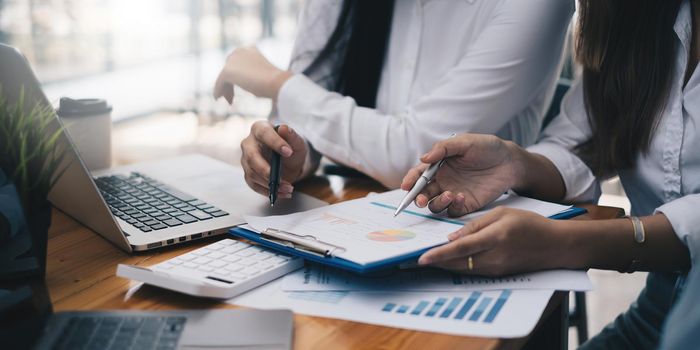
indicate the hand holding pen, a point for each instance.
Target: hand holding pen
{"x":469,"y":172}
{"x":257,"y":150}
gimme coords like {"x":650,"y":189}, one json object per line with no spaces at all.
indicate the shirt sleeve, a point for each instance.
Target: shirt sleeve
{"x":557,"y":142}
{"x":316,"y":22}
{"x":682,"y":213}
{"x":494,"y":81}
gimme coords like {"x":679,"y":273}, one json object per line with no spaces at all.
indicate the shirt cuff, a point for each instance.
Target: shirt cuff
{"x":581,"y":185}
{"x":296,"y":98}
{"x":682,"y":214}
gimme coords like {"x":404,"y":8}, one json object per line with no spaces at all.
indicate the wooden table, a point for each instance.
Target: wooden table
{"x":81,"y":276}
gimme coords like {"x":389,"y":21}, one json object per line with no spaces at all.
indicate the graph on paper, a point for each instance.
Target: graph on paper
{"x":368,"y":231}
{"x":316,"y":277}
{"x":474,"y":308}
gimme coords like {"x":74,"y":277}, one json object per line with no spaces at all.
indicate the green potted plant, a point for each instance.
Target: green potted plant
{"x":32,"y":160}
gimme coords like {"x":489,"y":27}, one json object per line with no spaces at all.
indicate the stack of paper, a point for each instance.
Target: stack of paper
{"x":424,"y":300}
{"x":419,"y":299}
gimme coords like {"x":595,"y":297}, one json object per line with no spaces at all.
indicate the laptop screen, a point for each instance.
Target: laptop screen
{"x":24,"y":300}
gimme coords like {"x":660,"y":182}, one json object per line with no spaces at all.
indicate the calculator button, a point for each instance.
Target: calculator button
{"x":234,"y":267}
{"x":250,"y":271}
{"x":216,"y":255}
{"x":201,"y":260}
{"x":246,"y":253}
{"x":217,"y":263}
{"x":231,"y":259}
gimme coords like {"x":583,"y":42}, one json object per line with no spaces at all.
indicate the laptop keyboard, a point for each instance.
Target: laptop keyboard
{"x":150,"y":205}
{"x":121,"y":332}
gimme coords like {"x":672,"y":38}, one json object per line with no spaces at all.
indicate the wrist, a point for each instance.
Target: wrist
{"x":518,"y":165}
{"x":572,"y":245}
{"x":277,"y":79}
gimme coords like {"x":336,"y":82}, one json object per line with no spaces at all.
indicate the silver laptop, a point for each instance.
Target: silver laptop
{"x":146,"y":205}
{"x":27,"y":321}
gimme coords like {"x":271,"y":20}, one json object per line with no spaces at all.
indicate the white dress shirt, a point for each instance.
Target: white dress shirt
{"x":451,"y":67}
{"x":665,"y":180}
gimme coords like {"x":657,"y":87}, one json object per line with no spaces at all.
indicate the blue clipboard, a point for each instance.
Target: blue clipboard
{"x":341,"y":263}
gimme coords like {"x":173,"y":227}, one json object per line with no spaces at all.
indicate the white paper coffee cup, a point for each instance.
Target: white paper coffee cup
{"x":89,"y":124}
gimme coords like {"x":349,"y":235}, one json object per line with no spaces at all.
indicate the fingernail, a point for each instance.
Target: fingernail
{"x":286,"y":151}
{"x":425,"y":155}
{"x":423,"y":260}
{"x":286,"y":188}
{"x":452,"y":236}
{"x":446,"y":198}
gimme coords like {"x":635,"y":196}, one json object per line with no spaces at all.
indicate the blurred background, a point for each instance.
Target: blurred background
{"x":155,"y":62}
{"x":145,"y":56}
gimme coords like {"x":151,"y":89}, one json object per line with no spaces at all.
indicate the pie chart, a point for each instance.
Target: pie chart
{"x":391,"y":235}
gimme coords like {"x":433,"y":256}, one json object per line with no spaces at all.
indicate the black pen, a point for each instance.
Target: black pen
{"x":275,"y":175}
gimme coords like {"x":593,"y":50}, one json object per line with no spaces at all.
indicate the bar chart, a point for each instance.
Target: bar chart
{"x":474,"y":308}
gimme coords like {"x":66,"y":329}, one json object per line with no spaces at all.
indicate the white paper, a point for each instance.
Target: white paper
{"x":315,"y":277}
{"x":519,"y":312}
{"x":368,"y":231}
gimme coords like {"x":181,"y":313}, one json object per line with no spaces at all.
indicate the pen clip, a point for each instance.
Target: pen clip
{"x":307,"y":242}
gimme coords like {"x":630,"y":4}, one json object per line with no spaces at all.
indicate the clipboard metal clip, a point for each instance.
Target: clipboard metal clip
{"x":307,"y":242}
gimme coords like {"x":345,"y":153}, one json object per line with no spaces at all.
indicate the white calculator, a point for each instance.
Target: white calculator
{"x":222,"y":269}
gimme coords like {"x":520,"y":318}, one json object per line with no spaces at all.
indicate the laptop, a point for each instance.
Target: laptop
{"x":27,"y":321}
{"x":146,"y":205}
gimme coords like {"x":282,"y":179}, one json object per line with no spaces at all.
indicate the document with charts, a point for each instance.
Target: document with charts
{"x":317,"y":277}
{"x":368,"y":232}
{"x":495,"y":313}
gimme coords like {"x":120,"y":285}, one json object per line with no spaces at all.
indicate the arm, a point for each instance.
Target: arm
{"x":662,"y":250}
{"x":507,"y":241}
{"x":494,"y":81}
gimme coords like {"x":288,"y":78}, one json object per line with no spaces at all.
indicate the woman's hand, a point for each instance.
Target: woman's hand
{"x":257,"y":150}
{"x":477,"y":170}
{"x":250,"y":70}
{"x":504,"y":241}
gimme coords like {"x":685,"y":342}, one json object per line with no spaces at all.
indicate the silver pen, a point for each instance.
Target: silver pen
{"x":423,"y":180}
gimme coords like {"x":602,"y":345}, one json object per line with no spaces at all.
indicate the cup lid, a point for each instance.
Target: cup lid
{"x":69,"y":107}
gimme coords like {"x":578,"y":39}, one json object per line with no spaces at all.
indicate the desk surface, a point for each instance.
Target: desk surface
{"x":81,"y":276}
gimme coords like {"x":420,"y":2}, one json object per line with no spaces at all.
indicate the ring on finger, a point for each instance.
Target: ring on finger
{"x":470,"y":263}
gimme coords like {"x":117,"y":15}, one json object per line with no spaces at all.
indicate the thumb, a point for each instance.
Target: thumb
{"x":447,"y":148}
{"x":292,"y":137}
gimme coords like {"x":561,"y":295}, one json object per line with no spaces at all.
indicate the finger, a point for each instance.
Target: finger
{"x":457,"y":208}
{"x":256,"y":186}
{"x":253,"y":161}
{"x":460,"y":266}
{"x":293,"y":139}
{"x":441,"y":202}
{"x":412,"y":176}
{"x":265,"y":190}
{"x":465,"y":246}
{"x":447,"y":148}
{"x":265,"y":133}
{"x":475,"y":225}
{"x":252,"y":176}
{"x":429,"y":192}
{"x":223,"y":88}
